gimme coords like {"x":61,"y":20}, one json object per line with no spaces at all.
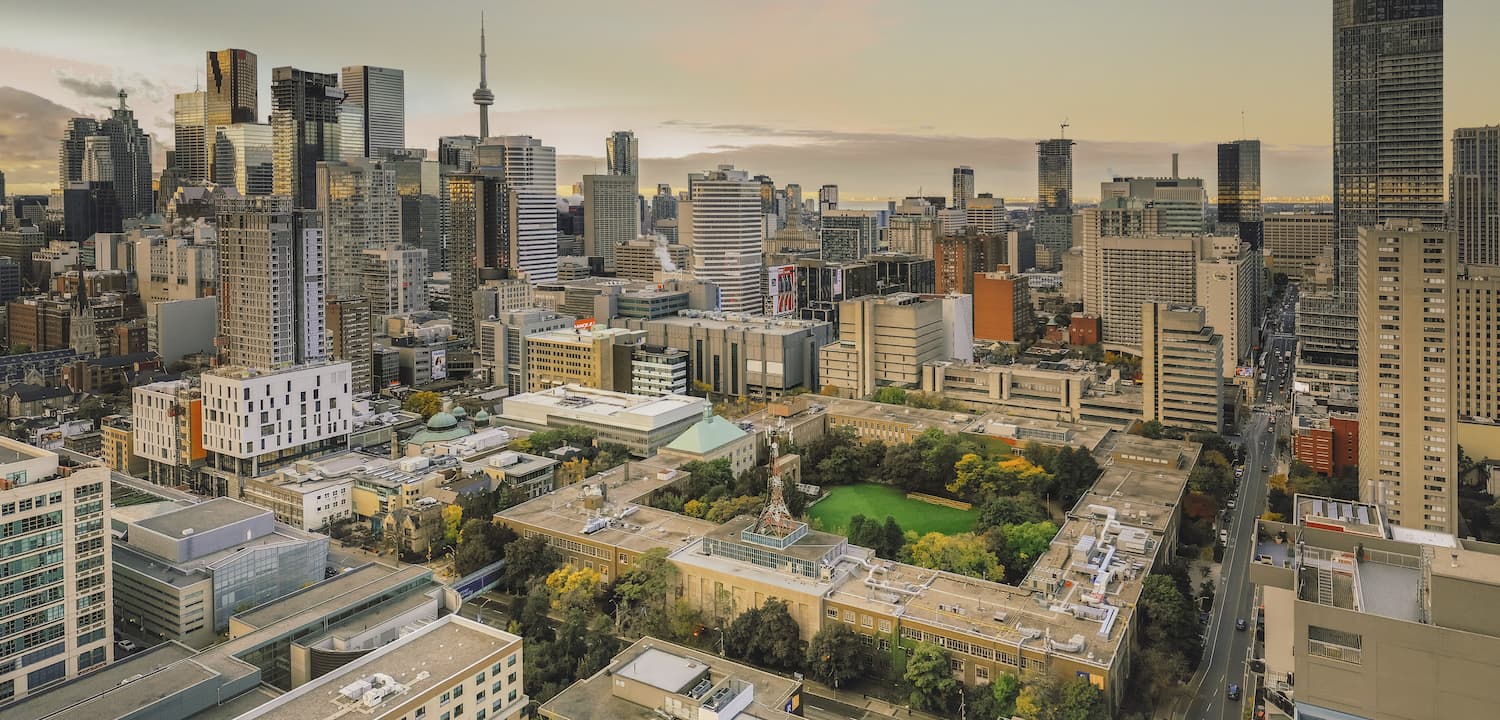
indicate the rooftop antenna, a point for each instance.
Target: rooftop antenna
{"x":1242,"y":122}
{"x":1063,"y":130}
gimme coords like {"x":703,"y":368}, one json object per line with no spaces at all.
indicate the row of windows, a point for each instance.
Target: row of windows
{"x":28,"y":504}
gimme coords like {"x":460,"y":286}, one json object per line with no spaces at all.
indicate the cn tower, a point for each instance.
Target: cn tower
{"x":482,"y":96}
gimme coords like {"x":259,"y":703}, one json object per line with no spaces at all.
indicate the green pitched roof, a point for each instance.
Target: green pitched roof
{"x":707,"y":435}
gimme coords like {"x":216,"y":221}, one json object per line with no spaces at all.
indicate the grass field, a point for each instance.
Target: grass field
{"x":877,"y":501}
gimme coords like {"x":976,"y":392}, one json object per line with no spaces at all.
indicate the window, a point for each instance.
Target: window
{"x":833,"y":613}
{"x":1334,"y":644}
{"x":444,"y":701}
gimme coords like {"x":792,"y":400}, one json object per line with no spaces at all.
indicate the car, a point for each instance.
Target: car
{"x":1203,"y":618}
{"x":1224,"y":538}
{"x":127,"y":646}
{"x":1241,"y":625}
{"x":1234,"y":691}
{"x":1265,"y":468}
{"x":1230,"y":504}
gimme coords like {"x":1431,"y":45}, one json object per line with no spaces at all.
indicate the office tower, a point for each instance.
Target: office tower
{"x":622,"y":153}
{"x":361,"y":211}
{"x":130,"y":149}
{"x":380,"y":95}
{"x":1239,"y":189}
{"x":1054,"y":200}
{"x":271,"y":283}
{"x":609,"y":214}
{"x":71,"y":147}
{"x":242,"y":157}
{"x":232,"y":89}
{"x":1229,"y":291}
{"x":1293,"y":242}
{"x":963,"y":186}
{"x":479,"y":218}
{"x":913,"y":228}
{"x":98,"y":160}
{"x":60,"y":582}
{"x":828,"y":198}
{"x":393,"y":281}
{"x":304,"y":130}
{"x":663,"y":205}
{"x":772,"y":201}
{"x":848,"y":235}
{"x":189,"y":116}
{"x":987,"y":215}
{"x":1182,"y":202}
{"x":1210,"y":272}
{"x":1474,"y":194}
{"x":419,"y":186}
{"x":457,"y":152}
{"x":1002,"y":307}
{"x":483,"y":97}
{"x":882,"y":341}
{"x":349,"y":327}
{"x":1181,"y":357}
{"x":726,"y":224}
{"x":2,"y":192}
{"x":88,"y":208}
{"x":643,"y":259}
{"x":529,"y":169}
{"x":1408,"y":451}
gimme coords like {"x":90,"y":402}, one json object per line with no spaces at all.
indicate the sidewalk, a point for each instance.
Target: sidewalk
{"x":875,"y":706}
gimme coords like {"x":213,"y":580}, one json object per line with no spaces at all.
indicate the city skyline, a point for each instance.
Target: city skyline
{"x":837,"y":125}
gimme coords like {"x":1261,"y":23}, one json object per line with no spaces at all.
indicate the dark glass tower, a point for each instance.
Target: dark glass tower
{"x":304,"y":130}
{"x":1239,"y":189}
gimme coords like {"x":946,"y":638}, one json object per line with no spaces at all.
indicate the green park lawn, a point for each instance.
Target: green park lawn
{"x":877,"y":501}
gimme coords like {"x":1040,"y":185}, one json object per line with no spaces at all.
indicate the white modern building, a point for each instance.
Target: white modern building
{"x":529,"y":169}
{"x":255,"y":420}
{"x":643,"y":424}
{"x":726,"y":236}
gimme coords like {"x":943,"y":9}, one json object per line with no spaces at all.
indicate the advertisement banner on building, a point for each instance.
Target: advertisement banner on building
{"x":782,"y":290}
{"x":838,"y":284}
{"x":440,"y":364}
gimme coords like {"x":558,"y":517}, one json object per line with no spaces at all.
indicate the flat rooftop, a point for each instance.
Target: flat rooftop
{"x":737,"y":321}
{"x":202,"y":517}
{"x":577,"y":398}
{"x":1048,"y":432}
{"x":668,"y":667}
{"x":917,"y":418}
{"x":67,"y":695}
{"x":423,"y":660}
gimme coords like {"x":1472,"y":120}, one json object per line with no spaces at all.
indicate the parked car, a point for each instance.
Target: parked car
{"x":1231,"y":504}
{"x":1224,"y":536}
{"x":126,"y":646}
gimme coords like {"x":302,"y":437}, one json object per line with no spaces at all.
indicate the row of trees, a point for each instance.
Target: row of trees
{"x":1304,"y":480}
{"x":713,"y":492}
{"x":892,"y":395}
{"x":1170,"y":649}
{"x":1042,"y":697}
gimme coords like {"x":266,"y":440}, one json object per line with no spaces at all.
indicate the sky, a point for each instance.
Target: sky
{"x":880,"y":98}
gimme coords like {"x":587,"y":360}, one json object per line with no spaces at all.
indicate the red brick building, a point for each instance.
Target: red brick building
{"x":1328,"y":445}
{"x":1083,"y":329}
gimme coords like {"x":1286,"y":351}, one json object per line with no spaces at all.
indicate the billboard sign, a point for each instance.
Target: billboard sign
{"x":782,"y":290}
{"x":584,"y":324}
{"x":838,"y":283}
{"x":440,"y":364}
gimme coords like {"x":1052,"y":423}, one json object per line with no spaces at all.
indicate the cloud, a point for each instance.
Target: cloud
{"x":87,"y":87}
{"x":30,"y":126}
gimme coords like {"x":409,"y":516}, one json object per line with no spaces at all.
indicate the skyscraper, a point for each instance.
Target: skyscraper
{"x":70,"y":149}
{"x":189,"y":115}
{"x":726,"y":228}
{"x":1474,"y":194}
{"x":380,"y":93}
{"x":361,"y":211}
{"x":529,"y":169}
{"x":130,"y":150}
{"x":98,"y":160}
{"x":242,"y":157}
{"x":963,"y":186}
{"x":1408,"y":451}
{"x":271,"y":283}
{"x":232,"y":93}
{"x":828,"y":198}
{"x":1239,"y":190}
{"x":609,"y":215}
{"x":622,"y":153}
{"x":482,"y":95}
{"x":1054,"y":195}
{"x":479,"y":236}
{"x":304,"y":130}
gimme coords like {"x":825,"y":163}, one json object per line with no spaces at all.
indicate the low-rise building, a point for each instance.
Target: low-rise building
{"x":741,"y":355}
{"x":1071,"y":391}
{"x":532,"y":474}
{"x":594,"y":357}
{"x":167,"y":432}
{"x":711,"y":439}
{"x":642,"y":424}
{"x":653,"y":673}
{"x":117,"y":445}
{"x":182,"y":569}
{"x":255,"y":421}
{"x":1326,"y":442}
{"x":657,"y":370}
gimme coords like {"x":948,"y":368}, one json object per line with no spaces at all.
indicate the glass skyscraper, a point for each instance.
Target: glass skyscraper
{"x":1239,"y":189}
{"x":380,"y":95}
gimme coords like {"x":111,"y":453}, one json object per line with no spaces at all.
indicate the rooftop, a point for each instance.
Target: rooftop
{"x":581,"y":399}
{"x":201,"y":517}
{"x":429,"y":658}
{"x":708,"y":435}
{"x":918,"y":419}
{"x":724,"y":320}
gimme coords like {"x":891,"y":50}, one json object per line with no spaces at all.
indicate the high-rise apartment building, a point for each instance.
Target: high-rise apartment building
{"x":609,"y":215}
{"x":529,"y":169}
{"x":478,"y":205}
{"x":726,"y":226}
{"x":361,"y":211}
{"x":828,"y":198}
{"x":304,"y":127}
{"x":1238,"y":201}
{"x":1476,"y":364}
{"x":1002,"y":307}
{"x":349,"y":330}
{"x":958,"y":258}
{"x":242,"y":158}
{"x":1474,"y":194}
{"x":848,"y":235}
{"x":963,"y":186}
{"x":271,"y":283}
{"x":913,"y":228}
{"x":393,"y":281}
{"x":1293,"y":242}
{"x":1408,"y":449}
{"x":59,"y":585}
{"x":191,"y":136}
{"x":1181,"y":358}
{"x":622,"y":154}
{"x":380,"y":95}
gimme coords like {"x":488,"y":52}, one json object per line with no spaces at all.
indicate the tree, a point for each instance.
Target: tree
{"x":1002,"y":511}
{"x":641,"y":594}
{"x":453,"y":517}
{"x":1027,"y":542}
{"x":890,"y":395}
{"x":92,"y":408}
{"x":423,"y":403}
{"x":931,"y":678}
{"x":767,"y":635}
{"x":527,"y":559}
{"x":694,"y":508}
{"x":978,"y":480}
{"x":20,"y":349}
{"x":835,"y":656}
{"x":1047,"y":698}
{"x":1153,"y":430}
{"x":964,"y":554}
{"x":730,"y":508}
{"x":998,"y":700}
{"x":480,"y":543}
{"x":574,"y":588}
{"x":1168,"y":619}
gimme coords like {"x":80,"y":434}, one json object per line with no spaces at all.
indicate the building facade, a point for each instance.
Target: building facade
{"x":1474,"y":194}
{"x":1181,"y":362}
{"x":611,"y":215}
{"x":380,"y":95}
{"x":883,"y":341}
{"x":271,"y":283}
{"x":304,"y":131}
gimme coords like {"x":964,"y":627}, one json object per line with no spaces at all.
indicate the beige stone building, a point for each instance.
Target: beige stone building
{"x":883,"y":341}
{"x":596,"y":357}
{"x":1180,"y":365}
{"x":1293,"y":242}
